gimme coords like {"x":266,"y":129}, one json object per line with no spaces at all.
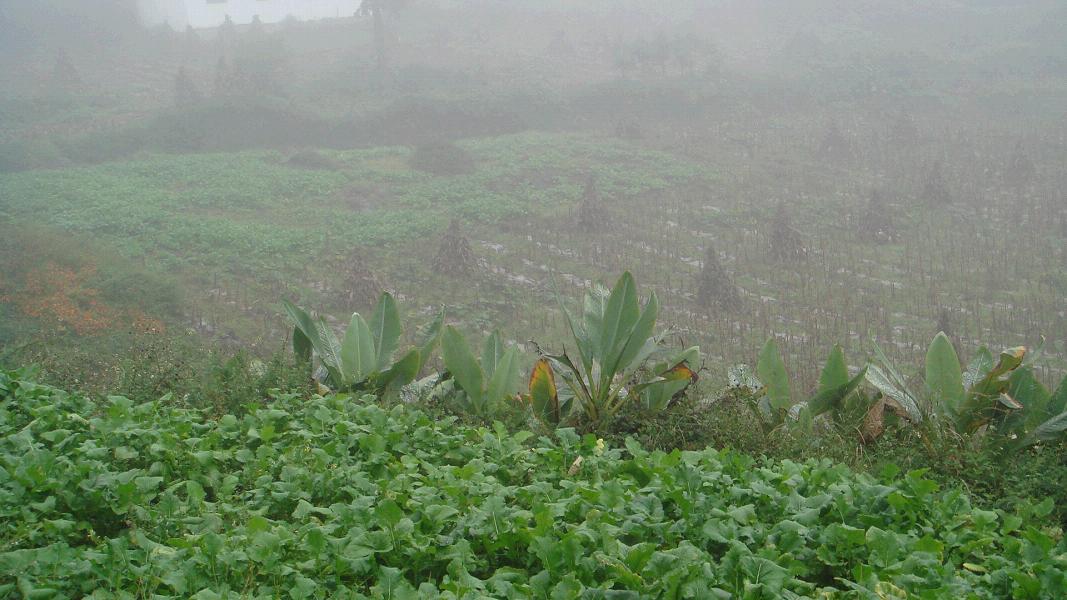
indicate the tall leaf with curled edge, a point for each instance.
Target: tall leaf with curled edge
{"x":835,"y":387}
{"x":544,"y":396}
{"x":674,"y":376}
{"x":987,"y":399}
{"x":667,"y":386}
{"x":386,"y":330}
{"x":944,"y":377}
{"x":302,"y":327}
{"x":771,"y":370}
{"x":1042,"y":416}
{"x":888,"y":380}
{"x":428,"y":338}
{"x":1058,"y":402}
{"x":357,"y":350}
{"x":835,"y":372}
{"x":464,"y":368}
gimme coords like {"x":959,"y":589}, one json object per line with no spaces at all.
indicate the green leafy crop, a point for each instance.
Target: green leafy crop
{"x":331,"y":498}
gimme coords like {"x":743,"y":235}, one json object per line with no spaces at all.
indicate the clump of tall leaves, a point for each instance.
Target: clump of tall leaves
{"x":364,"y":358}
{"x":1000,"y":396}
{"x":482,"y":384}
{"x":619,"y":359}
{"x":838,"y":393}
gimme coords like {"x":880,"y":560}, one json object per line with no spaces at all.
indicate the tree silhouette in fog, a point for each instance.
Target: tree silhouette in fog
{"x":376,"y":9}
{"x":716,"y":289}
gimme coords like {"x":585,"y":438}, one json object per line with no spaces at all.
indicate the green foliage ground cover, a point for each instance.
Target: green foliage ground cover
{"x":214,"y":210}
{"x":239,"y":230}
{"x":341,"y":497}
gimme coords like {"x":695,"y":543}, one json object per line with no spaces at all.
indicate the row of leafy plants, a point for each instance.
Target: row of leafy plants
{"x":619,"y":360}
{"x":995,"y":400}
{"x":338,"y":496}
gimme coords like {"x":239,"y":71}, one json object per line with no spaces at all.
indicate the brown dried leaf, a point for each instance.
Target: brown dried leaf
{"x":575,"y":467}
{"x":874,"y":423}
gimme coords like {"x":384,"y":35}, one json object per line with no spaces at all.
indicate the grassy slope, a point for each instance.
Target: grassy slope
{"x":239,"y":231}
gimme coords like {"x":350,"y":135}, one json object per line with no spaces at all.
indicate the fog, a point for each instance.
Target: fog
{"x":818,"y":171}
{"x":568,"y":299}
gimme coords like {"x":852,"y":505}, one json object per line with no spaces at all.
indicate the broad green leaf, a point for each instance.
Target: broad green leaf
{"x":385,"y":328}
{"x":1025,"y":389}
{"x":1050,"y":430}
{"x":429,"y":337}
{"x":632,"y":356}
{"x":979,"y":367}
{"x":505,"y":380}
{"x":393,"y":586}
{"x":460,"y":362}
{"x":771,"y":576}
{"x":302,"y":588}
{"x":1058,"y":402}
{"x":299,"y":318}
{"x":593,"y":308}
{"x":492,"y":352}
{"x":944,"y":378}
{"x":402,"y":372}
{"x":667,"y":385}
{"x":884,"y":546}
{"x":303,"y":330}
{"x":883,"y":383}
{"x":771,"y":371}
{"x":301,"y":345}
{"x":357,"y":350}
{"x":835,"y":373}
{"x":620,"y":316}
{"x":833,"y":398}
{"x":888,"y":380}
{"x":329,"y":349}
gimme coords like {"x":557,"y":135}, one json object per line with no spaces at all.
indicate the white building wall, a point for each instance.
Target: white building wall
{"x":212,"y":13}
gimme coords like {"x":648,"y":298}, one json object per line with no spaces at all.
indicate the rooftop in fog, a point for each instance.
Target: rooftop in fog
{"x":211,"y":13}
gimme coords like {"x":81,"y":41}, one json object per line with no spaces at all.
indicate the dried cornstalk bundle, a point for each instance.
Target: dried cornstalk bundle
{"x":873,"y":425}
{"x":454,"y":255}
{"x":904,"y":131}
{"x":590,"y":207}
{"x":834,"y":145}
{"x":935,"y":188}
{"x":716,"y":288}
{"x":358,"y":286}
{"x":1020,"y":170}
{"x":787,"y":244}
{"x":876,"y":223}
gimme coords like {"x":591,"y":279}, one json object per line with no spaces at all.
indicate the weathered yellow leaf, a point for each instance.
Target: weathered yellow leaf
{"x":543,"y":394}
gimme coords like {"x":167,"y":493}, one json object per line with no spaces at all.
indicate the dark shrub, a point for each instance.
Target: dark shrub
{"x":313,"y":159}
{"x":442,"y":158}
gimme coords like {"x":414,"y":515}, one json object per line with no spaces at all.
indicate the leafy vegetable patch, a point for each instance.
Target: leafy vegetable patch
{"x":341,"y":498}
